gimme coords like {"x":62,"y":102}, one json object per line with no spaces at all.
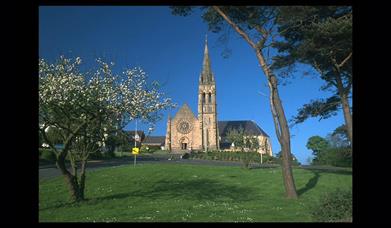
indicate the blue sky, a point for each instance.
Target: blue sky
{"x":170,"y":49}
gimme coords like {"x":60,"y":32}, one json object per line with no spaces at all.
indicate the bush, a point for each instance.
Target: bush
{"x":108,"y":154}
{"x":47,"y":154}
{"x":96,"y":155}
{"x":149,"y":149}
{"x":186,"y":156}
{"x":335,"y":206}
{"x":246,"y":159}
{"x":338,"y":156}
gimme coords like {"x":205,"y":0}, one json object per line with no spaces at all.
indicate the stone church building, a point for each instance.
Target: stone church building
{"x":204,"y":132}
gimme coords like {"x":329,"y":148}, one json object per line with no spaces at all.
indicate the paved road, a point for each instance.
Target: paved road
{"x":50,"y":171}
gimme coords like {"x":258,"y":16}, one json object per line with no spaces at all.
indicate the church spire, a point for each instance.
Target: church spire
{"x":206,"y":74}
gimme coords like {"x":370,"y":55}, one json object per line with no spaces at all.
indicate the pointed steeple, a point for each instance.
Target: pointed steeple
{"x":206,"y":74}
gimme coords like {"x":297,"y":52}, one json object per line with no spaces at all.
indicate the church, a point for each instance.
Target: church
{"x":204,"y":132}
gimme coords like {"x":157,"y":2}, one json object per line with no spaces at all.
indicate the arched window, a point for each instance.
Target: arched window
{"x":203,"y":98}
{"x":210,"y":98}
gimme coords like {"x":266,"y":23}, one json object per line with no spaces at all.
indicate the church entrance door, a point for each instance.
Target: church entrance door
{"x":184,"y":143}
{"x":184,"y":146}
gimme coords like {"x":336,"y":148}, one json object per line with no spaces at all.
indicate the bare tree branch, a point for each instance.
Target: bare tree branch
{"x":345,"y":60}
{"x":236,"y":27}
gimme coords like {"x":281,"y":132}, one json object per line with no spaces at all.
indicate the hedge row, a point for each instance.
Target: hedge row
{"x":232,"y":156}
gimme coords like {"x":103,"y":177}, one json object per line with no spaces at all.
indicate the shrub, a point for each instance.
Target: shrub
{"x":47,"y":154}
{"x":108,"y":154}
{"x":186,"y":156}
{"x":96,"y":155}
{"x":334,"y":206}
{"x":149,"y":149}
{"x":338,"y":156}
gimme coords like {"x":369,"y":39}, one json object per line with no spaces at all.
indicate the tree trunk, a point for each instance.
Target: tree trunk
{"x":70,"y":180}
{"x":279,"y":118}
{"x":345,"y":104}
{"x":82,"y":178}
{"x":283,"y":136}
{"x":345,"y":108}
{"x":281,"y":127}
{"x":348,"y":117}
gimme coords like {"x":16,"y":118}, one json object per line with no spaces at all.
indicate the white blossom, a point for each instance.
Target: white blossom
{"x":65,"y":92}
{"x":47,"y":129}
{"x":45,"y":145}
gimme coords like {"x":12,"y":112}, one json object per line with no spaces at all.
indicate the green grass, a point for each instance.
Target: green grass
{"x":178,"y":192}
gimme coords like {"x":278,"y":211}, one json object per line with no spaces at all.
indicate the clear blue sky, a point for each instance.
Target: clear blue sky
{"x":170,"y":49}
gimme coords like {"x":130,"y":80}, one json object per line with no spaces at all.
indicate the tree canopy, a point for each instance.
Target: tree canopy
{"x":321,"y":37}
{"x":84,"y":107}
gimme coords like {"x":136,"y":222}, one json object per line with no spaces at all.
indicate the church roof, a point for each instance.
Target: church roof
{"x":206,"y":74}
{"x":249,"y":127}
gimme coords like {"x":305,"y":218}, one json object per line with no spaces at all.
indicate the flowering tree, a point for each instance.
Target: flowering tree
{"x":85,"y":107}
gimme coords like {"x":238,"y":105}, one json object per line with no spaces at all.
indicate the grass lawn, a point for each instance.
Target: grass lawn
{"x":178,"y":192}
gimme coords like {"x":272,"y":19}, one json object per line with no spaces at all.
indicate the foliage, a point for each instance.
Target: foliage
{"x":236,"y":137}
{"x":246,"y":157}
{"x":317,"y":144}
{"x":186,"y":156}
{"x":47,"y":154}
{"x":83,"y":108}
{"x":327,"y":152}
{"x":186,"y":193}
{"x":322,"y":108}
{"x":320,"y":36}
{"x":334,"y":206}
{"x":149,"y":149}
{"x":339,"y":137}
{"x":242,"y":141}
{"x":335,"y":156}
{"x":330,"y":151}
{"x":314,"y":35}
{"x":278,"y":159}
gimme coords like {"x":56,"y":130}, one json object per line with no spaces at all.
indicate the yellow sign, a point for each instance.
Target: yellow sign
{"x":135,"y":150}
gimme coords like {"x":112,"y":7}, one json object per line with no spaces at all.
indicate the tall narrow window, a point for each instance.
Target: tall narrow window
{"x":210,"y":98}
{"x":203,"y":98}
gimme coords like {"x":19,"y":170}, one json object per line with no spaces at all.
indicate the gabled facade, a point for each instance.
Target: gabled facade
{"x":187,"y":132}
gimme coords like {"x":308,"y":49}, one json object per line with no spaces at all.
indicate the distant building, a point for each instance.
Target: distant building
{"x":249,"y":128}
{"x":204,"y":133}
{"x":131,"y":136}
{"x":154,"y":141}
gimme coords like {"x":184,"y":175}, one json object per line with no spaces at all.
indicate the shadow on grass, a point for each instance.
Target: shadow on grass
{"x":202,"y":189}
{"x":336,"y":170}
{"x":62,"y":204}
{"x":310,"y":184}
{"x":314,"y":180}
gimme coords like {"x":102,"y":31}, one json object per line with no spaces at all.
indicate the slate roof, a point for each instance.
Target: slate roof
{"x":130,"y":135}
{"x":250,"y":127}
{"x":155,"y":140}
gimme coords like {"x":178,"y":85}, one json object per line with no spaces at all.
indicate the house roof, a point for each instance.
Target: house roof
{"x":154,"y":140}
{"x":249,"y":127}
{"x":131,"y":134}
